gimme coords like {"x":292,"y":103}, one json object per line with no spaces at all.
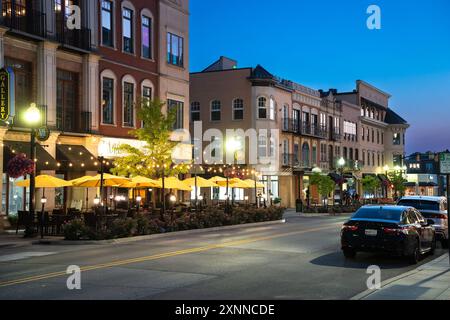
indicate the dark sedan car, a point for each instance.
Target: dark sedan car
{"x":396,"y":230}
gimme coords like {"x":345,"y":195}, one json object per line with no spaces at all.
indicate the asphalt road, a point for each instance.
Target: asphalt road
{"x":300,"y":259}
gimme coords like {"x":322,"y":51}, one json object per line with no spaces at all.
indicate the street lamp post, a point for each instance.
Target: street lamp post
{"x":33,"y":119}
{"x":341,"y":164}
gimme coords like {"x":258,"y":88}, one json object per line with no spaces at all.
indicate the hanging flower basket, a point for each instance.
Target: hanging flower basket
{"x":20,"y":166}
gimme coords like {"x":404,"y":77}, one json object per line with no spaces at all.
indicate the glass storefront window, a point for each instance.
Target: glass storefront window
{"x":17,"y":196}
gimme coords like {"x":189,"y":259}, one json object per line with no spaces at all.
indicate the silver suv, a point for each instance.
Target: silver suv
{"x":433,"y":208}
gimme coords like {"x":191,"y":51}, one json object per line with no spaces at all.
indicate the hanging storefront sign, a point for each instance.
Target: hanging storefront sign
{"x":6,"y":106}
{"x":43,"y":133}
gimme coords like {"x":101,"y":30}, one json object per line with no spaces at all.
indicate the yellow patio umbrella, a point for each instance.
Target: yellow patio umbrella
{"x":80,"y":180}
{"x":141,"y":182}
{"x":201,"y":183}
{"x":45,"y":181}
{"x":251,"y":182}
{"x":235,"y":183}
{"x":217,"y":179}
{"x":109,"y":180}
{"x":174,"y":183}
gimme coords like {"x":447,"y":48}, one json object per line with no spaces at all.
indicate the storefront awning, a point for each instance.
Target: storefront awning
{"x":44,"y":160}
{"x":76,"y":158}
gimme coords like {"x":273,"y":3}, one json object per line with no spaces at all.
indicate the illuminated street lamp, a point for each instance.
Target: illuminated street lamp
{"x":33,"y":118}
{"x":341,"y":165}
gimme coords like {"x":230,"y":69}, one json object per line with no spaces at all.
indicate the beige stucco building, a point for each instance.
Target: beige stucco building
{"x":314,"y":129}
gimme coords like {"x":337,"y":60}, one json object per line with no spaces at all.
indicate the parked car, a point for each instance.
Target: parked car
{"x":397,"y":230}
{"x":434,"y":208}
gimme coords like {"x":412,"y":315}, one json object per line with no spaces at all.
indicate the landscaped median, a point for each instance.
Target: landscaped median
{"x":144,"y":225}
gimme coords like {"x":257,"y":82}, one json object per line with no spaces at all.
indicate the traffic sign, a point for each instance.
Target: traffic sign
{"x":444,"y":160}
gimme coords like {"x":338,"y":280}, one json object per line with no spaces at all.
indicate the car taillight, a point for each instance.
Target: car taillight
{"x":394,"y":230}
{"x":350,"y":228}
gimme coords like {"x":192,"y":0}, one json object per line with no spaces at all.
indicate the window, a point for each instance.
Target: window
{"x":262,"y":146}
{"x":127,"y":30}
{"x":396,"y":139}
{"x":107,"y":23}
{"x":195,"y":111}
{"x":272,"y":147}
{"x":108,"y":101}
{"x":128,"y":104}
{"x":146,"y":94}
{"x":216,"y":110}
{"x":179,"y":107}
{"x":306,"y":155}
{"x":363,"y":156}
{"x":262,"y":108}
{"x":146,"y":37}
{"x":175,"y":50}
{"x":238,"y":109}
{"x":363,"y":130}
{"x":272,"y":109}
{"x":66,"y":100}
{"x":397,"y":160}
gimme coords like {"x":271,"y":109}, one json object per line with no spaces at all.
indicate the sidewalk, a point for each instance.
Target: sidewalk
{"x":9,"y":239}
{"x":430,"y":281}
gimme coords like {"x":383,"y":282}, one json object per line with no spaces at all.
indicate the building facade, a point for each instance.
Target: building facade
{"x":87,"y":82}
{"x":315,"y":128}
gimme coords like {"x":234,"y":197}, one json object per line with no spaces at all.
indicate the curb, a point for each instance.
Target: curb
{"x":385,"y":283}
{"x":154,"y":236}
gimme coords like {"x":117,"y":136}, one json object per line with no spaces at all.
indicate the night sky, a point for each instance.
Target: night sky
{"x":326,"y":44}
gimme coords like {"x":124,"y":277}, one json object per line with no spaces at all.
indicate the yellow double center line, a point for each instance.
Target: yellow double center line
{"x":159,"y":256}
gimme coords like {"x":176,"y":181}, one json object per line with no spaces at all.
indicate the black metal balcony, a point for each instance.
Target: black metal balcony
{"x":23,"y":19}
{"x":335,"y":135}
{"x":76,"y":38}
{"x":293,"y":161}
{"x":81,"y":124}
{"x":291,"y":126}
{"x":314,"y":130}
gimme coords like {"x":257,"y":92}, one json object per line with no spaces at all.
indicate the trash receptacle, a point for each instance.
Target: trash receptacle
{"x":299,"y":205}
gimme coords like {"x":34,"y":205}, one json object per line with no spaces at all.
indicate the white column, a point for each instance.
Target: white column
{"x":46,"y":79}
{"x":91,"y":88}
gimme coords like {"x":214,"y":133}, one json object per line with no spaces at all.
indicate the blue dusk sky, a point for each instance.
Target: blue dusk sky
{"x":326,"y":44}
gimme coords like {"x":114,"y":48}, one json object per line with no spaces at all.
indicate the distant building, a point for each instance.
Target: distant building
{"x":423,"y":175}
{"x":316,"y":128}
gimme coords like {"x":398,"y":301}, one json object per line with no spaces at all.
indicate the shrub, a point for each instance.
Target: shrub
{"x":12,"y":219}
{"x":75,"y":230}
{"x":123,"y":228}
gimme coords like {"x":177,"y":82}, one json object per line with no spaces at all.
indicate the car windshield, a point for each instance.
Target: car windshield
{"x":380,"y":214}
{"x":420,"y":204}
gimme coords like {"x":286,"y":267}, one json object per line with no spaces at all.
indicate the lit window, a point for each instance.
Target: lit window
{"x":108,"y":101}
{"x":146,"y":37}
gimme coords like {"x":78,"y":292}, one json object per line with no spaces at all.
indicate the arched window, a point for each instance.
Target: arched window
{"x":216,"y":110}
{"x":129,"y":101}
{"x":109,"y":83}
{"x":146,"y":34}
{"x":262,"y":108}
{"x":306,"y":155}
{"x":238,"y":109}
{"x":128,"y":27}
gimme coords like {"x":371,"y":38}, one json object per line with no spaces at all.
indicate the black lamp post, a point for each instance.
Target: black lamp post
{"x":33,"y":119}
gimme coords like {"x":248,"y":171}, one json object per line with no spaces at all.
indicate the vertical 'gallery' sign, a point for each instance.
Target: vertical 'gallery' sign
{"x":5,"y":101}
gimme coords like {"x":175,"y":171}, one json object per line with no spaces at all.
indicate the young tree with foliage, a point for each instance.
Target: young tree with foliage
{"x":156,"y":155}
{"x":398,"y":183}
{"x":371,"y":184}
{"x":325,"y":185}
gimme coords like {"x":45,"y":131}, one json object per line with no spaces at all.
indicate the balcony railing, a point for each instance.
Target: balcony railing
{"x":335,"y":135}
{"x":314,"y":130}
{"x":81,"y":124}
{"x":23,"y":19}
{"x":293,"y":161}
{"x":76,"y":38}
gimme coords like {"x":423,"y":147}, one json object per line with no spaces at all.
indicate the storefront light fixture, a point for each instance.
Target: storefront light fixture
{"x":97,"y":201}
{"x":43,"y":200}
{"x":138,"y":199}
{"x":173,"y":198}
{"x":341,"y":162}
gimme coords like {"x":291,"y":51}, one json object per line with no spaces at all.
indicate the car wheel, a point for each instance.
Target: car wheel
{"x":415,"y":256}
{"x":349,"y":253}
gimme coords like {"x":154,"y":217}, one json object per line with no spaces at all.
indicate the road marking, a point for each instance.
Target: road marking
{"x":23,"y":255}
{"x":162,"y":256}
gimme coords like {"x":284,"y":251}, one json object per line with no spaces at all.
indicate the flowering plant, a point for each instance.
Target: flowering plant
{"x":20,"y":166}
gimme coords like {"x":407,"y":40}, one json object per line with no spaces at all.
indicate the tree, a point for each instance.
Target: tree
{"x":325,"y":185}
{"x":398,"y":183}
{"x":371,"y":184}
{"x":154,"y":159}
{"x":156,"y":155}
